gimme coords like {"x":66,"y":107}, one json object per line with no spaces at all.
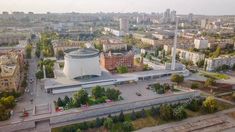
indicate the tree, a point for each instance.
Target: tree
{"x":200,"y":63}
{"x":217,"y":52}
{"x":98,"y":46}
{"x":159,"y":88}
{"x":98,"y":92}
{"x":156,"y":52}
{"x":81,"y":97}
{"x":210,"y":82}
{"x":112,"y":94}
{"x":166,"y":112}
{"x":194,"y":85}
{"x":78,"y":130}
{"x":177,"y":78}
{"x":4,"y":113}
{"x":39,"y":74}
{"x":179,"y":113}
{"x":143,"y":114}
{"x":98,"y":122}
{"x":8,"y":102}
{"x":194,"y":105}
{"x":127,"y":126}
{"x":60,"y":102}
{"x":60,"y":54}
{"x":66,"y":100}
{"x":233,"y":67}
{"x":210,"y":105}
{"x":122,"y":69}
{"x":84,"y":126}
{"x":121,"y":117}
{"x":163,"y":54}
{"x":115,"y":119}
{"x":154,"y":111}
{"x":146,"y":67}
{"x":133,"y":116}
{"x":28,"y":51}
{"x":108,"y":123}
{"x":24,"y":83}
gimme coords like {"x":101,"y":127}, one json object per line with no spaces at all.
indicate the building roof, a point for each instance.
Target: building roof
{"x":81,"y":53}
{"x":8,"y":64}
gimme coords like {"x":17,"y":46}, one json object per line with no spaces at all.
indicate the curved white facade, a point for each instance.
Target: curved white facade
{"x":81,"y":62}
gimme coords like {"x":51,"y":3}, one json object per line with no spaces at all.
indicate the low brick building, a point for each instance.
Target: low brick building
{"x":111,"y":61}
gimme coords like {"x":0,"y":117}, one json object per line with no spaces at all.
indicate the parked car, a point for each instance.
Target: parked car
{"x":138,"y":94}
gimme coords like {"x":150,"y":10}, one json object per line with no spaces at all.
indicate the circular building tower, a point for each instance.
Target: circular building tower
{"x":79,"y":63}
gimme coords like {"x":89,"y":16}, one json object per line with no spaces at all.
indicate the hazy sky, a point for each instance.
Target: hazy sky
{"x":208,"y":7}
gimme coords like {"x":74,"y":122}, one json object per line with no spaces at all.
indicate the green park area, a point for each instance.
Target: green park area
{"x":81,"y":97}
{"x":152,"y":116}
{"x":214,"y":75}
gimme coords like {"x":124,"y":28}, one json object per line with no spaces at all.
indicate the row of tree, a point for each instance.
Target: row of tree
{"x":49,"y":64}
{"x":165,"y":112}
{"x":99,"y":95}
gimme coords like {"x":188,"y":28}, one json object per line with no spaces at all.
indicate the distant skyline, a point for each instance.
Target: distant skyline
{"x":203,"y":7}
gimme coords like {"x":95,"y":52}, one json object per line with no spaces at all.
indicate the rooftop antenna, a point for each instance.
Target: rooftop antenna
{"x":174,"y":46}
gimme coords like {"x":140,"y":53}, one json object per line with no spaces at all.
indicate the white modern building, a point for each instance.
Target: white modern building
{"x":212,"y":63}
{"x":190,"y":56}
{"x":200,"y":43}
{"x":80,"y":63}
{"x":114,"y":32}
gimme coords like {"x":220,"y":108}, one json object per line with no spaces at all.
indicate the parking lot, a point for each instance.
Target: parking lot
{"x":130,"y":91}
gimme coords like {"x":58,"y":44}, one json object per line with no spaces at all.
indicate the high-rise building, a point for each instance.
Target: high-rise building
{"x":190,"y":18}
{"x":167,"y":16}
{"x":204,"y":23}
{"x":173,"y":16}
{"x":124,"y":24}
{"x":200,"y":43}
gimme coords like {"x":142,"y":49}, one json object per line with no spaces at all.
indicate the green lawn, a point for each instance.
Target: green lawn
{"x":214,"y":75}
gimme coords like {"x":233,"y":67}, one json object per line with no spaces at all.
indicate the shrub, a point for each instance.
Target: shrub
{"x":177,"y":78}
{"x":112,"y":94}
{"x":194,"y":105}
{"x":98,"y":92}
{"x":179,"y":113}
{"x":122,"y":69}
{"x":210,"y":105}
{"x":194,"y":85}
{"x":127,"y":126}
{"x":108,"y":123}
{"x":115,"y":119}
{"x":166,"y":112}
{"x":210,"y":82}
